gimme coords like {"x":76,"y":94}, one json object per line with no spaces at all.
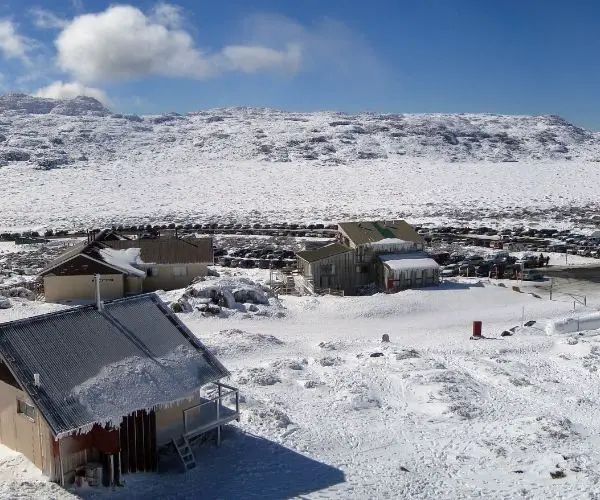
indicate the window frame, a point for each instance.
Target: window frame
{"x":180,"y":271}
{"x":26,"y":410}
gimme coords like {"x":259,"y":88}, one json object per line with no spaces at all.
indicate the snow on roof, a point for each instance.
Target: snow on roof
{"x":389,"y":242}
{"x":124,"y":260}
{"x":122,"y":387}
{"x":132,"y":355}
{"x":402,"y":261}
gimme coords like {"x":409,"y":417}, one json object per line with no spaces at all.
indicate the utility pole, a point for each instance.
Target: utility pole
{"x":551,"y":285}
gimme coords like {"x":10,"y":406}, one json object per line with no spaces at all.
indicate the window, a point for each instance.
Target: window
{"x":25,"y":409}
{"x":180,"y":271}
{"x":152,"y":271}
{"x":328,"y":269}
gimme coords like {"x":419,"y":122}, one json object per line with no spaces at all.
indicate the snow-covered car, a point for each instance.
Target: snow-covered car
{"x":532,"y":275}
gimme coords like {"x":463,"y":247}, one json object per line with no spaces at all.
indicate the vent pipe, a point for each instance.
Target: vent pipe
{"x":99,"y":304}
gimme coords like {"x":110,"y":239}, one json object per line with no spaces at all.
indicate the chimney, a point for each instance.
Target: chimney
{"x":36,"y":379}
{"x":99,"y":304}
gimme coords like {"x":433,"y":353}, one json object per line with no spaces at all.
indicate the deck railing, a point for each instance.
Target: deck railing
{"x":214,"y":412}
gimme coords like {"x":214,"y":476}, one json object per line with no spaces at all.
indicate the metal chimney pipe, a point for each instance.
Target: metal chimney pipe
{"x":99,"y":305}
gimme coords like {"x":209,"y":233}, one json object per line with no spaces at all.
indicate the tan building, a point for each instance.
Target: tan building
{"x":126,"y":267}
{"x":70,"y":277}
{"x":171,"y":262}
{"x":358,"y":259}
{"x":84,"y":389}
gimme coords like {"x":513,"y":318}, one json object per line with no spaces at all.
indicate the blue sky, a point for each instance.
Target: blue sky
{"x":517,"y":57}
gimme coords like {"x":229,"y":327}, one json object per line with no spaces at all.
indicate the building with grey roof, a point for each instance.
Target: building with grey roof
{"x":354,"y":261}
{"x":126,"y":265}
{"x":112,"y":384}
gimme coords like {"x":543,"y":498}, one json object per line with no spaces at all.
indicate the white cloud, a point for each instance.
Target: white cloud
{"x":251,"y":59}
{"x":60,"y":90}
{"x":167,"y":14}
{"x":328,"y":45}
{"x":142,"y":45}
{"x":46,"y":19}
{"x":13,"y":45}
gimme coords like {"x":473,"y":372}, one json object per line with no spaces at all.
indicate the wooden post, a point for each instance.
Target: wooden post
{"x":62,"y":470}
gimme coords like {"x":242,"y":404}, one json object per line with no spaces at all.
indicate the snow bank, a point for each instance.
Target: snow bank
{"x":133,"y":383}
{"x":570,"y":324}
{"x":236,"y":288}
{"x":213,"y":294}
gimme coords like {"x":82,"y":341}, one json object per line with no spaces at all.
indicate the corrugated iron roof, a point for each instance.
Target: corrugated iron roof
{"x":323,"y":252}
{"x":170,"y":250}
{"x":93,"y":250}
{"x":68,"y":348}
{"x":361,"y":233}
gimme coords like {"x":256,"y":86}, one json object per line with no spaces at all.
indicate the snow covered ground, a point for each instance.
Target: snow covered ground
{"x":435,"y":415}
{"x":421,"y":190}
{"x":253,"y":165}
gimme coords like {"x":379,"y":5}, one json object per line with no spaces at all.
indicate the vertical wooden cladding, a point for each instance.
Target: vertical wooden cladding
{"x":124,"y":440}
{"x":131,"y":443}
{"x":138,"y":442}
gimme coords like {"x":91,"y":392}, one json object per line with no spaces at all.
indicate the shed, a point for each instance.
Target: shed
{"x":110,"y":385}
{"x":408,"y":270}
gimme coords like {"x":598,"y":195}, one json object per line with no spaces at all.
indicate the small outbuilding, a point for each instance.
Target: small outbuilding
{"x":408,"y":270}
{"x":105,"y":388}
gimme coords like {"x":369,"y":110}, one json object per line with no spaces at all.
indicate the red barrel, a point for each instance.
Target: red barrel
{"x":477,"y":328}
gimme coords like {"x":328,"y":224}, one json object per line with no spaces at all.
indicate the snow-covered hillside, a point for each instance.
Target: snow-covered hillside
{"x":74,"y":131}
{"x":321,"y":165}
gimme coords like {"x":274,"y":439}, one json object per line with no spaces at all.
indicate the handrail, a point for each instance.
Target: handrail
{"x":216,"y":398}
{"x":219,"y":402}
{"x":227,"y":386}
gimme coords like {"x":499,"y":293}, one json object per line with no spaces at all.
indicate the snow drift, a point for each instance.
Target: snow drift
{"x":571,"y":324}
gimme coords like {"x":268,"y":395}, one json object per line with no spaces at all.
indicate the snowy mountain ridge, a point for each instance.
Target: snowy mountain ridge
{"x":57,"y":133}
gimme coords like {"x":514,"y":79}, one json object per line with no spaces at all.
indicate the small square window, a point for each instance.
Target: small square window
{"x":25,"y":409}
{"x":180,"y":271}
{"x":152,"y":271}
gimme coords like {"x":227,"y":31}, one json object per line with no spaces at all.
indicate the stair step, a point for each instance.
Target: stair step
{"x":184,"y":450}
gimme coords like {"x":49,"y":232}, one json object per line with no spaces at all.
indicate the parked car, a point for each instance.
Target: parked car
{"x":449,"y":271}
{"x":532,"y":275}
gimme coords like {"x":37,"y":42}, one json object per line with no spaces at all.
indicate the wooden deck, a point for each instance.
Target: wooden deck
{"x":212,"y":413}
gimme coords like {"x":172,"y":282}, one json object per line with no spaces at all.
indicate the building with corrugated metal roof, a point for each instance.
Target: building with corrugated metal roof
{"x":108,"y":385}
{"x":158,"y":264}
{"x":355,"y":262}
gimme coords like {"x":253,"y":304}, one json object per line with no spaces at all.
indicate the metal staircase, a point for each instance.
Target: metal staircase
{"x":184,"y":450}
